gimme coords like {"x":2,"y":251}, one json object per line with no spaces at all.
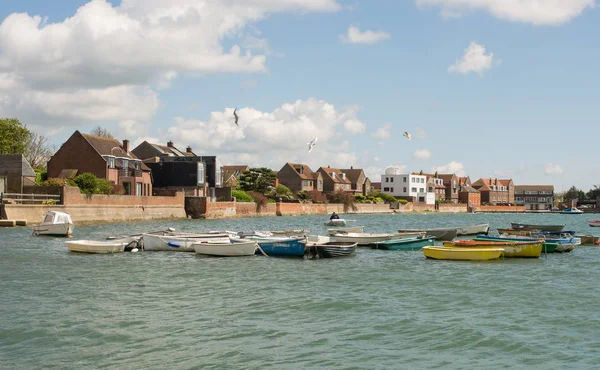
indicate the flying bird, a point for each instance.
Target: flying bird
{"x":406,"y":135}
{"x":236,"y":116}
{"x":311,"y":144}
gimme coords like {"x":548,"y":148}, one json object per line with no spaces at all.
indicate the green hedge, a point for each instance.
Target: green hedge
{"x":241,"y":196}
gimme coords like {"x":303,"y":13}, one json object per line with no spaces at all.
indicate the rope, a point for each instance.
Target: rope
{"x":261,"y":250}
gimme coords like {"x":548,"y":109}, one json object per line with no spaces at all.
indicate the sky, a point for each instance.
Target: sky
{"x":486,"y":88}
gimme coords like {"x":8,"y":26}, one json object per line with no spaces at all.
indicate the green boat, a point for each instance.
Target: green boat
{"x":404,"y":244}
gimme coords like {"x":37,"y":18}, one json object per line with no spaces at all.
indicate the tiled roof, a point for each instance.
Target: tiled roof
{"x":338,"y":175}
{"x":106,"y":146}
{"x":534,"y":187}
{"x":233,"y":171}
{"x":171,"y":150}
{"x":468,"y":189}
{"x":353,"y":174}
{"x":307,"y":173}
{"x":446,"y":177}
{"x":505,"y":182}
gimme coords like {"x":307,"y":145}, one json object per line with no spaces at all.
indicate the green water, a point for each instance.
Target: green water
{"x":376,"y":310}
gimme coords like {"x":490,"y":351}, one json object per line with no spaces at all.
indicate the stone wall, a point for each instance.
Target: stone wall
{"x":452,"y":208}
{"x":72,"y":196}
{"x":500,"y":209}
{"x":422,"y":207}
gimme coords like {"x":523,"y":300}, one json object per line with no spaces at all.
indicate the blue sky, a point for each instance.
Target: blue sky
{"x":522,"y":102}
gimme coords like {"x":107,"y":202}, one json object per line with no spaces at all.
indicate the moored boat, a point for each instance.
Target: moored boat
{"x":530,"y":227}
{"x":521,"y":249}
{"x":463,"y":254}
{"x":572,"y":211}
{"x":441,"y":233}
{"x":594,"y":223}
{"x":366,"y":238}
{"x":94,"y":246}
{"x":297,"y":233}
{"x":404,"y":244}
{"x":336,"y":222}
{"x":180,"y":242}
{"x":345,"y":230}
{"x":473,"y":229}
{"x":231,"y":248}
{"x":330,"y":249}
{"x":54,"y":224}
{"x":281,"y":246}
{"x":563,"y":245}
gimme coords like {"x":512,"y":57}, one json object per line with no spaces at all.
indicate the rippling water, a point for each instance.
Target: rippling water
{"x":376,"y":310}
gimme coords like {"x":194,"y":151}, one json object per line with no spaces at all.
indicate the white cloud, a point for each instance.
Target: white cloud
{"x":384,"y":132}
{"x":355,"y":126}
{"x":422,"y":154}
{"x":551,"y":169}
{"x":474,"y":60}
{"x":105,"y":62}
{"x":452,"y":167}
{"x":537,"y":12}
{"x":355,"y":36}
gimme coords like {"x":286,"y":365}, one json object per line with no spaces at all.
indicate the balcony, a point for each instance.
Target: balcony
{"x":130,"y":172}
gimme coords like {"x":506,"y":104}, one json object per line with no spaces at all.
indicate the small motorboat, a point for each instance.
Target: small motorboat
{"x":231,"y":248}
{"x":572,"y":211}
{"x":594,"y":223}
{"x":94,"y":246}
{"x":336,"y":222}
{"x":330,"y":249}
{"x":346,"y":230}
{"x":181,"y":242}
{"x":463,"y":254}
{"x":55,"y":224}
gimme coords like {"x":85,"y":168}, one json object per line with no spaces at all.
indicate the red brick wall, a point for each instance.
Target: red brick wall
{"x":452,"y":208}
{"x":420,"y":207}
{"x":499,"y":209}
{"x":72,"y":196}
{"x":220,"y":210}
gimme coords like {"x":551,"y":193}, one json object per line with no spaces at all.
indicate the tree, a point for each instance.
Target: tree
{"x":13,"y":136}
{"x":38,"y":151}
{"x":257,"y":179}
{"x":594,"y":193}
{"x":102,"y":132}
{"x":89,"y":184}
{"x":573,"y":193}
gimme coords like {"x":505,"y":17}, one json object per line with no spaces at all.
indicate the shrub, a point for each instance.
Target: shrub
{"x":344,"y":198}
{"x":241,"y":196}
{"x":317,"y":196}
{"x":302,"y":195}
{"x":57,"y":182}
{"x":41,"y":176}
{"x":402,"y":201}
{"x":360,"y":198}
{"x":259,"y":199}
{"x":282,"y":190}
{"x":89,"y":184}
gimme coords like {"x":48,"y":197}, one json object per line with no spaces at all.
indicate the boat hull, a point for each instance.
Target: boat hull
{"x":529,"y":227}
{"x":512,"y":249}
{"x":284,"y":247}
{"x":405,"y":244}
{"x":230,"y":249}
{"x":336,"y":222}
{"x":559,"y":245}
{"x":439,"y":233}
{"x":91,"y":246}
{"x":342,"y":230}
{"x":54,"y":229}
{"x":363,"y":239}
{"x":594,"y":223}
{"x":175,"y":243}
{"x":330,"y":249}
{"x":463,"y":254}
{"x":473,"y":229}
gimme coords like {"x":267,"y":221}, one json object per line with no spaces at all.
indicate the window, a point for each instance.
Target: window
{"x":387,"y":179}
{"x":304,"y":183}
{"x":111,"y":162}
{"x":218,"y":176}
{"x":422,"y":180}
{"x":404,"y":190}
{"x":414,"y":190}
{"x":391,"y":190}
{"x":139,"y":189}
{"x":431,"y":189}
{"x":386,"y":189}
{"x":404,"y":178}
{"x":125,"y":162}
{"x":421,"y":190}
{"x":391,"y":179}
{"x":200,"y":174}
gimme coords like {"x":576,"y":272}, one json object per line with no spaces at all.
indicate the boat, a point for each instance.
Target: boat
{"x":94,"y":246}
{"x":54,"y":224}
{"x":588,"y":239}
{"x":463,"y":254}
{"x":521,"y":249}
{"x":297,"y":233}
{"x":281,"y":246}
{"x":346,"y":230}
{"x":181,"y":242}
{"x":442,"y":233}
{"x":551,"y":245}
{"x":330,"y":249}
{"x":572,"y":211}
{"x":230,"y":248}
{"x":530,"y":227}
{"x":594,"y":223}
{"x":404,"y":244}
{"x":336,"y":222}
{"x":366,"y":238}
{"x":473,"y":229}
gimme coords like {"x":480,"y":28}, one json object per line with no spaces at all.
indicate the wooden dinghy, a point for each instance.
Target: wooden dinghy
{"x":515,"y":249}
{"x":94,"y":246}
{"x":463,"y":254}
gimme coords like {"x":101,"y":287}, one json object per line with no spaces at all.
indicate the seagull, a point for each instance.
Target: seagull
{"x":235,"y":116}
{"x":311,"y":144}
{"x":406,"y":135}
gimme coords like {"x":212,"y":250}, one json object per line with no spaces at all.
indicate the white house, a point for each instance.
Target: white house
{"x":406,"y":185}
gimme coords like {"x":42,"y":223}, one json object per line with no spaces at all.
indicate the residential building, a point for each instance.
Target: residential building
{"x":299,"y":177}
{"x":334,"y":180}
{"x":148,"y":150}
{"x":494,"y":191}
{"x":15,"y":173}
{"x":231,"y":174}
{"x":435,"y":184}
{"x":105,"y":158}
{"x":375,"y":186}
{"x":452,"y":186}
{"x":535,"y":197}
{"x":359,"y":182}
{"x":466,"y":180}
{"x":406,"y":186}
{"x":469,"y":195}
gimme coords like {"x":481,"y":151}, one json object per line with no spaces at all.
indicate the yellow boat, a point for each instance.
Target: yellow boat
{"x":525,"y":249}
{"x":463,"y":254}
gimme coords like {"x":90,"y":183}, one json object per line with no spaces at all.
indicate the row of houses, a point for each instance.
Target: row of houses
{"x":151,"y":169}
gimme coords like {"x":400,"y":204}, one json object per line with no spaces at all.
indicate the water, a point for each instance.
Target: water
{"x":376,"y":310}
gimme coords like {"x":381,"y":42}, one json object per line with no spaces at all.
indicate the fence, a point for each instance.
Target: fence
{"x":18,"y":198}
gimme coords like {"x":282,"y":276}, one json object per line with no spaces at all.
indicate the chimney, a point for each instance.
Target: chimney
{"x":126,"y":145}
{"x":188,"y":149}
{"x":351,"y":167}
{"x":170,"y":144}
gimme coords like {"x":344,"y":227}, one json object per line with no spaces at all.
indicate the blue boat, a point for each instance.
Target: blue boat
{"x":283,"y":247}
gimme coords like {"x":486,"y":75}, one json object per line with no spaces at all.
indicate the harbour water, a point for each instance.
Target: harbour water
{"x":376,"y":310}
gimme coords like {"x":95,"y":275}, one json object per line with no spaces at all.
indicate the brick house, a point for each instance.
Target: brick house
{"x":435,"y":185}
{"x":359,"y":182}
{"x":105,"y":158}
{"x":452,"y":186}
{"x":334,"y":180}
{"x":15,"y":173}
{"x":299,"y":177}
{"x":494,"y":191}
{"x":231,"y":174}
{"x":175,"y":169}
{"x":464,"y":180}
{"x":469,"y":195}
{"x":535,"y":197}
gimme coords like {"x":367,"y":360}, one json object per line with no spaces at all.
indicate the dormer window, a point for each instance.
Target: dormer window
{"x":332,"y":174}
{"x":110,"y":160}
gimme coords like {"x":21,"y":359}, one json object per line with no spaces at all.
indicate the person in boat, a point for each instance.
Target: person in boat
{"x":334,"y":216}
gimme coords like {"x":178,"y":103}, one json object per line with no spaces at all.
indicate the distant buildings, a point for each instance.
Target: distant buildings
{"x":535,"y":197}
{"x":15,"y":173}
{"x":494,"y":191}
{"x":406,"y":186}
{"x":299,"y":177}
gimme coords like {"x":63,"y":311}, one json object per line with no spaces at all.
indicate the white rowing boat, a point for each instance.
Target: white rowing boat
{"x":94,"y":246}
{"x":231,"y":248}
